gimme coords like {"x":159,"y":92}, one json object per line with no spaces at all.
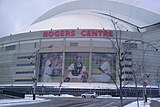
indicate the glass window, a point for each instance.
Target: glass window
{"x":25,"y":57}
{"x":23,"y":80}
{"x":30,"y":64}
{"x":77,"y":42}
{"x":74,"y":44}
{"x":25,"y":72}
{"x":130,"y":45}
{"x":9,"y":48}
{"x":35,"y":45}
{"x":1,"y":48}
{"x":127,"y":79}
{"x":30,"y":44}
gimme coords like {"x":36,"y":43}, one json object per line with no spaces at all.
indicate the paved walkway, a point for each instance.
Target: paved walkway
{"x":155,"y":103}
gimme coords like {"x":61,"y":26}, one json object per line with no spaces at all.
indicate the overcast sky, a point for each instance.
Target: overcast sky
{"x":15,"y":15}
{"x":18,"y":14}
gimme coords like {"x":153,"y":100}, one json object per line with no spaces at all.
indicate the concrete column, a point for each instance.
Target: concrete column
{"x":63,"y":66}
{"x":90,"y":66}
{"x":63,"y":60}
{"x":37,"y":64}
{"x":90,"y":60}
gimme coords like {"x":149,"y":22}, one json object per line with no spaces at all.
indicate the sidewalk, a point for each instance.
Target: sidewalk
{"x":151,"y":102}
{"x":154,"y":103}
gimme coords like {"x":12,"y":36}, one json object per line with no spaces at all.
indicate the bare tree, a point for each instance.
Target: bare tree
{"x":139,"y":75}
{"x":117,"y":44}
{"x":136,"y":67}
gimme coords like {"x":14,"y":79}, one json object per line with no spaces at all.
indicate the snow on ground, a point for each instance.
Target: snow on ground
{"x":157,"y":99}
{"x":51,"y":95}
{"x":141,"y":104}
{"x":27,"y":100}
{"x":105,"y":96}
{"x":67,"y":95}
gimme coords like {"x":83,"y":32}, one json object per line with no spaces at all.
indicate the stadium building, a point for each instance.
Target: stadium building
{"x":73,"y":43}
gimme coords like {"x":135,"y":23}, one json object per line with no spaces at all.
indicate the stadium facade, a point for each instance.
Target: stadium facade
{"x":82,"y":30}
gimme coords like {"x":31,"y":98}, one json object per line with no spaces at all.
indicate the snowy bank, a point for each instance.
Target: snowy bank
{"x":14,"y":102}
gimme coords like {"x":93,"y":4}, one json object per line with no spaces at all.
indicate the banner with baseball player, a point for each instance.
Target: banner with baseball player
{"x":103,"y":67}
{"x":76,"y":67}
{"x":50,"y":67}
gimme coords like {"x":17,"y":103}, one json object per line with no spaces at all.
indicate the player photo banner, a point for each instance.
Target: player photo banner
{"x":50,"y":67}
{"x":76,"y":67}
{"x":103,"y":67}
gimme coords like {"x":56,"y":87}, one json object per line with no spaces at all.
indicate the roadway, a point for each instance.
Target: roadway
{"x":79,"y":102}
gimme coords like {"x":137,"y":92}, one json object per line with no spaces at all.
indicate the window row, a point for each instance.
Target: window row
{"x":25,"y":57}
{"x":25,"y":72}
{"x":30,"y":44}
{"x":23,"y":80}
{"x":29,"y":64}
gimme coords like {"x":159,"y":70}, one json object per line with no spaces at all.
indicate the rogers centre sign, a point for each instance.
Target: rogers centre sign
{"x":77,"y":32}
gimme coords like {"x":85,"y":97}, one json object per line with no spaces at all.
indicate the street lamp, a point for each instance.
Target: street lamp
{"x":145,"y":76}
{"x":34,"y":78}
{"x":142,"y":43}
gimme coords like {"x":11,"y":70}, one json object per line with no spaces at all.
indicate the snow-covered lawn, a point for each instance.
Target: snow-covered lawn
{"x":27,"y":100}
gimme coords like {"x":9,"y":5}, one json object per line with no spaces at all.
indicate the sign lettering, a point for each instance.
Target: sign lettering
{"x":82,"y":33}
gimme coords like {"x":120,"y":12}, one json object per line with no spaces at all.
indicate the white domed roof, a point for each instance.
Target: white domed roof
{"x":95,"y":14}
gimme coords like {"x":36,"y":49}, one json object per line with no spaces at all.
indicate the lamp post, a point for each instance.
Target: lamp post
{"x":145,"y":85}
{"x":34,"y":78}
{"x":142,"y":43}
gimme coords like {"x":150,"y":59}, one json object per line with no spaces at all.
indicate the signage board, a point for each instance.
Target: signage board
{"x":77,"y":33}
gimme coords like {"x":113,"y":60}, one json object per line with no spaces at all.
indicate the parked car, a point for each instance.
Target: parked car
{"x":89,"y":95}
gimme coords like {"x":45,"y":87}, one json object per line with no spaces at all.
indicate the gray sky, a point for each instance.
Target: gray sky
{"x":18,"y":14}
{"x":15,"y":15}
